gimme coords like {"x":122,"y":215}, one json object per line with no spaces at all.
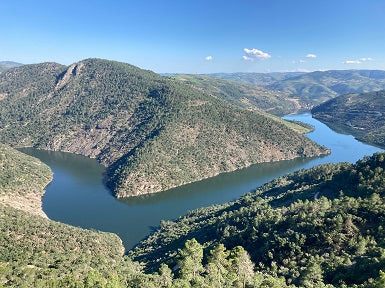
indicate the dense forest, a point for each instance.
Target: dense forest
{"x":316,"y":227}
{"x":153,"y":132}
{"x":361,"y":115}
{"x":321,"y":227}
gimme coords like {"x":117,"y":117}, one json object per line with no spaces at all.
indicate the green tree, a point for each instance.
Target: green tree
{"x":165,"y":276}
{"x":190,"y":262}
{"x":242,"y":266}
{"x":217,"y":267}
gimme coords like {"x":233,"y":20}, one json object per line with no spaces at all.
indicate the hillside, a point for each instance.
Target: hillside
{"x":33,"y":249}
{"x":153,"y":132}
{"x":22,"y":180}
{"x":246,"y":96}
{"x":315,"y":87}
{"x":314,"y":227}
{"x":311,"y":228}
{"x":361,"y":115}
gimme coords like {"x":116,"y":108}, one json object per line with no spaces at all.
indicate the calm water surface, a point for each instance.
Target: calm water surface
{"x":78,"y":197}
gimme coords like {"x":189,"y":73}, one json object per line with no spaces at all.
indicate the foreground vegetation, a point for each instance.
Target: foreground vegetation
{"x":361,"y":115}
{"x":316,"y":227}
{"x":153,"y":132}
{"x":321,"y":227}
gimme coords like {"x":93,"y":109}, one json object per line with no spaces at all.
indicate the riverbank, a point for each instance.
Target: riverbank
{"x":77,"y":195}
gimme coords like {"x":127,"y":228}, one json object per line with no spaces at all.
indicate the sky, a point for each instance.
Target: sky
{"x":198,"y":36}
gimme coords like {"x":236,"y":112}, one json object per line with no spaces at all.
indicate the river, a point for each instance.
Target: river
{"x":77,"y":195}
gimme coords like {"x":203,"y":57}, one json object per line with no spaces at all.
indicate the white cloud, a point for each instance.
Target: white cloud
{"x":258,"y":54}
{"x":352,"y":62}
{"x":209,"y":58}
{"x":247,"y":58}
{"x":311,"y":56}
{"x":358,"y":61}
{"x":301,"y":70}
{"x":366,"y":59}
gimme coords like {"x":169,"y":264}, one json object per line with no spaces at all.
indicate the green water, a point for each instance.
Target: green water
{"x":77,"y":195}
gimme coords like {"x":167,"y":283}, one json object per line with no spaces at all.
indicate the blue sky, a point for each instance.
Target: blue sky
{"x":198,"y":36}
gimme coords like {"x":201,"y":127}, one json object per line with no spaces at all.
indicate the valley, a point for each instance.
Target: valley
{"x":136,"y":122}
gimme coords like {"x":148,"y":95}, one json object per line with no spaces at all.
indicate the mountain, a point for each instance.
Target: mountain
{"x":5,"y":65}
{"x":315,"y":87}
{"x":256,"y":79}
{"x":315,"y":227}
{"x":361,"y":115}
{"x":243,"y":95}
{"x":152,"y":132}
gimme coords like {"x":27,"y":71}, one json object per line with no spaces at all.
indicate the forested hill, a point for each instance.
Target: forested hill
{"x":362,"y":115}
{"x":244,"y":95}
{"x":316,"y":87}
{"x":153,"y":132}
{"x":314,"y":227}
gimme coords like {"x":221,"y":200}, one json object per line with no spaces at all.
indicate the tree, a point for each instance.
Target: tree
{"x":217,"y":267}
{"x":190,"y":263}
{"x":242,"y":266}
{"x":165,"y":276}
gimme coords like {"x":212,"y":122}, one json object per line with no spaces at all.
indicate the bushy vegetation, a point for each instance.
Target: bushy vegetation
{"x":153,"y":132}
{"x":321,"y":227}
{"x":316,"y":227}
{"x":361,"y":115}
{"x":22,"y":180}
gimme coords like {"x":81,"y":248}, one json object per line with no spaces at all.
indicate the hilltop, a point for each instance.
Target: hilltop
{"x":361,"y":115}
{"x":152,"y":132}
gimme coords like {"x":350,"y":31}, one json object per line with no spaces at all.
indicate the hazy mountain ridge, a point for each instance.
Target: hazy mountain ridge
{"x":313,"y":88}
{"x":5,"y":65}
{"x":361,"y":115}
{"x":243,"y":95}
{"x":137,"y":122}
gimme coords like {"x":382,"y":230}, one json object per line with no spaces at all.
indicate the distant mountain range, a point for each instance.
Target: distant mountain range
{"x":362,"y":115}
{"x":5,"y":65}
{"x":315,"y":87}
{"x":153,"y":132}
{"x":243,"y":95}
